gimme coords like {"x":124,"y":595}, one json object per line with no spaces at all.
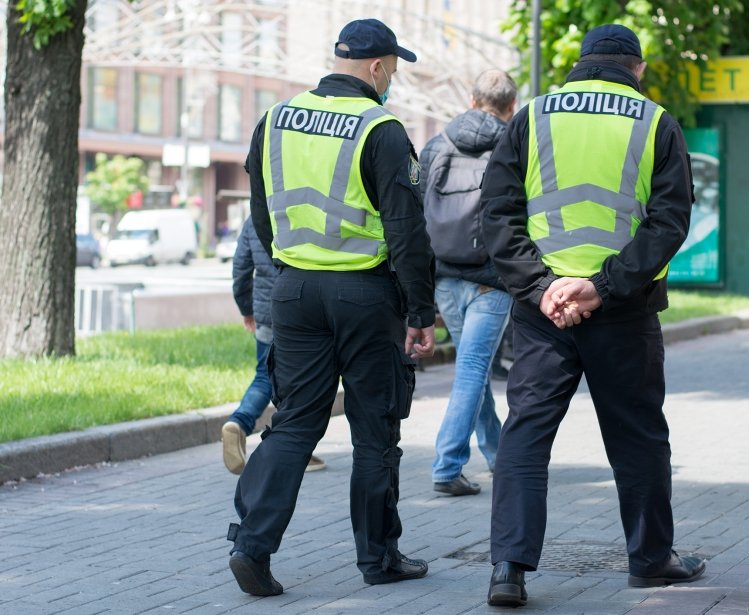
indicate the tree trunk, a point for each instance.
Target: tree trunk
{"x":37,"y":212}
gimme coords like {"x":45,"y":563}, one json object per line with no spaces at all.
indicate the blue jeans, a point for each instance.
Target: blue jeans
{"x":475,"y":316}
{"x":257,"y":396}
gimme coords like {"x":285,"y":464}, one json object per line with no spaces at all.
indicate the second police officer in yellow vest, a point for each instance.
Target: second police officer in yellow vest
{"x":335,"y":201}
{"x":586,"y":199}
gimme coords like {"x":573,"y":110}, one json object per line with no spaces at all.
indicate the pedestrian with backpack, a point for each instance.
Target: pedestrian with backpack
{"x":469,"y":293}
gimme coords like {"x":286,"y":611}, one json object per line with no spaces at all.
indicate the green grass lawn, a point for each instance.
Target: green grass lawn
{"x":118,"y":377}
{"x":686,"y":304}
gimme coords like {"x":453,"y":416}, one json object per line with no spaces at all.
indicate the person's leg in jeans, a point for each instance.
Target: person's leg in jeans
{"x":488,"y":427}
{"x":257,"y":396}
{"x":475,"y":316}
{"x":254,"y":402}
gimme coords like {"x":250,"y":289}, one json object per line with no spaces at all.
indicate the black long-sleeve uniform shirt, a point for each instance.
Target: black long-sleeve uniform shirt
{"x":386,"y":168}
{"x":625,"y":282}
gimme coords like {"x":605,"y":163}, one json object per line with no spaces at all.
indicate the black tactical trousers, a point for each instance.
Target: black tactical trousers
{"x":623,"y":366}
{"x":329,"y":326}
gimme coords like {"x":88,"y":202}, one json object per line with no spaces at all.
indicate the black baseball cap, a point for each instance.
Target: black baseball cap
{"x":611,"y":38}
{"x":370,"y":38}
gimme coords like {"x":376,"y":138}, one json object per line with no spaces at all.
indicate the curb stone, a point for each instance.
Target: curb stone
{"x":122,"y":441}
{"x":119,"y":442}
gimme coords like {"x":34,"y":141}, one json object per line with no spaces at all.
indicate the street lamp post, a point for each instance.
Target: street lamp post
{"x":193,"y":15}
{"x":184,"y":123}
{"x":536,"y":48}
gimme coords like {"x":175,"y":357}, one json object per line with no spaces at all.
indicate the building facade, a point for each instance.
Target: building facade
{"x":182,"y":83}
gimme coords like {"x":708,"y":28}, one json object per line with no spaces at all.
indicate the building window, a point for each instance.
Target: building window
{"x":231,"y":38}
{"x":104,"y":16}
{"x":230,"y":113}
{"x":264,"y":100}
{"x":102,"y":98}
{"x":147,"y":104}
{"x":268,"y":38}
{"x":194,"y":109}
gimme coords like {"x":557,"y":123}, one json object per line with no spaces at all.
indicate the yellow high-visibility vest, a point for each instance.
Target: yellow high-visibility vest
{"x":590,"y":163}
{"x":320,"y":213}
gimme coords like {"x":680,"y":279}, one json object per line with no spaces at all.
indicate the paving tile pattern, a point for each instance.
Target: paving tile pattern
{"x":148,"y":536}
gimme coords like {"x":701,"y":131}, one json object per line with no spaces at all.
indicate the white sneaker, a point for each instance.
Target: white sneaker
{"x":233,"y":438}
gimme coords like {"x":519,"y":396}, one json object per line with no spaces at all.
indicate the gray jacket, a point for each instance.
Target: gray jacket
{"x":473,"y":132}
{"x":254,"y":275}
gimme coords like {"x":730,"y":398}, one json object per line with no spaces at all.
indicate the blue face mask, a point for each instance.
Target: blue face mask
{"x":386,"y":94}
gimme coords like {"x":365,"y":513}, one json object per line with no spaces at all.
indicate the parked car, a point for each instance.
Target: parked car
{"x":227,"y":246}
{"x":87,"y":251}
{"x":153,"y":236}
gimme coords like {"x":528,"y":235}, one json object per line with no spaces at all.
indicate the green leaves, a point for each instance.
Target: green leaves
{"x":673,"y":33}
{"x":113,"y":180}
{"x":45,"y":18}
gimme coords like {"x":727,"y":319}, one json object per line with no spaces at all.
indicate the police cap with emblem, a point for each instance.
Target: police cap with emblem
{"x":611,"y":38}
{"x":370,"y":38}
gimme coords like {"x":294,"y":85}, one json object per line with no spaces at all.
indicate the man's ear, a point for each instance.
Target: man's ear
{"x":640,"y":70}
{"x":474,"y":104}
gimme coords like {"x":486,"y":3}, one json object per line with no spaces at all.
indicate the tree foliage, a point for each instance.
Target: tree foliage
{"x":44,"y":18}
{"x":673,"y":33}
{"x":113,"y":180}
{"x":738,"y":36}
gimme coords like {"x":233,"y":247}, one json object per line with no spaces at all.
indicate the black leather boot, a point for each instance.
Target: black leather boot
{"x":507,"y":587}
{"x":677,"y":569}
{"x":402,"y":568}
{"x":254,"y":577}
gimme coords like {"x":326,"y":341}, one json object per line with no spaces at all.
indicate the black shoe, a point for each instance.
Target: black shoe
{"x":507,"y":587}
{"x":676,"y":570}
{"x":254,"y":577}
{"x":401,"y":569}
{"x":458,"y":486}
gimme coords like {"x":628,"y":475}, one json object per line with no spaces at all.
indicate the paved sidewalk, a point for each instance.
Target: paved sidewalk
{"x":147,"y":536}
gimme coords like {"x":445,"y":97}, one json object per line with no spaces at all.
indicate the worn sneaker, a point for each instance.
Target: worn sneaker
{"x":400,"y":569}
{"x":315,"y":463}
{"x":254,"y":577}
{"x":458,"y":486}
{"x":233,"y":438}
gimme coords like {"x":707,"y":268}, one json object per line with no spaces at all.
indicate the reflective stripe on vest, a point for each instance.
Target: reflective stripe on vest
{"x":350,"y":129}
{"x":612,"y":215}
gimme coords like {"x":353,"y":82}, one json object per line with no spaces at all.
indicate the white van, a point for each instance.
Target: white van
{"x":153,"y":236}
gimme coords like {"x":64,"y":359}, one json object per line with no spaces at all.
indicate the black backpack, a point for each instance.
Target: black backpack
{"x":451,"y":205}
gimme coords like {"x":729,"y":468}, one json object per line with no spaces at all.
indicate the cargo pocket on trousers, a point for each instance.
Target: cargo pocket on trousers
{"x":271,"y":364}
{"x":286,"y":290}
{"x":404,"y":380}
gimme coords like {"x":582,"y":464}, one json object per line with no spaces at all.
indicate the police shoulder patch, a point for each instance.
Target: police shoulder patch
{"x":414,"y":170}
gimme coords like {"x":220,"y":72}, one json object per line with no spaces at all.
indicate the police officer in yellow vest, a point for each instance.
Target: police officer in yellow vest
{"x":585,"y":201}
{"x":336,"y":203}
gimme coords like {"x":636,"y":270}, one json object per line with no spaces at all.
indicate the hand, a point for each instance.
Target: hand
{"x":420,"y":342}
{"x":249,"y":323}
{"x":568,"y":300}
{"x":561,"y":314}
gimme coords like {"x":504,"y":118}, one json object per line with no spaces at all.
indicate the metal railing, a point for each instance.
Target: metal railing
{"x":103,"y":307}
